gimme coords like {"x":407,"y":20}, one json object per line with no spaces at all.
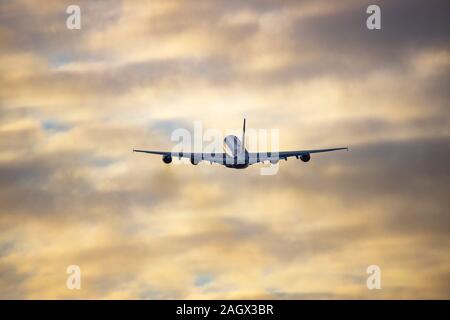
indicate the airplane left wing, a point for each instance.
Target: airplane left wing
{"x":194,"y":157}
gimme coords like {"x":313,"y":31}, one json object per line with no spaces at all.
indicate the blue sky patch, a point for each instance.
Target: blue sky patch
{"x":54,"y":126}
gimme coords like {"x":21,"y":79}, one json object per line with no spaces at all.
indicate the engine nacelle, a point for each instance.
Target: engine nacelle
{"x":305,"y":157}
{"x":194,"y":161}
{"x":167,"y":159}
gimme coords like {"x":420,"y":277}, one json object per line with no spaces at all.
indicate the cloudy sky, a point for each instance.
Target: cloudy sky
{"x":74,"y":103}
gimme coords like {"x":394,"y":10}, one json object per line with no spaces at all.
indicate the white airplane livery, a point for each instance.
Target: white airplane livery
{"x":236,"y":155}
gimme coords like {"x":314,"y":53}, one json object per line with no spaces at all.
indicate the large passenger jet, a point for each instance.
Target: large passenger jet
{"x":237,"y":156}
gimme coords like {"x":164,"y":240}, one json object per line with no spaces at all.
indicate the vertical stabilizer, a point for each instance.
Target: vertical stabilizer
{"x":243,"y":137}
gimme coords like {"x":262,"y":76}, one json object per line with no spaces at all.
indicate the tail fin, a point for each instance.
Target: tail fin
{"x":243,"y":137}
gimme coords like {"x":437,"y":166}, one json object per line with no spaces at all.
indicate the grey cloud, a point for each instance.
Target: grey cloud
{"x":42,"y":29}
{"x":406,"y":26}
{"x":414,"y":173}
{"x":339,"y":43}
{"x":11,"y":282}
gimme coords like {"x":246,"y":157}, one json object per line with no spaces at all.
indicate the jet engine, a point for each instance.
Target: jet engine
{"x":194,"y":161}
{"x":305,"y":157}
{"x":167,"y":158}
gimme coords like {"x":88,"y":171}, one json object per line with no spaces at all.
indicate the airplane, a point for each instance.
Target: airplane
{"x":237,"y":156}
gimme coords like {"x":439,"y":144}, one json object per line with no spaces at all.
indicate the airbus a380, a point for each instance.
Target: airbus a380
{"x":237,"y":156}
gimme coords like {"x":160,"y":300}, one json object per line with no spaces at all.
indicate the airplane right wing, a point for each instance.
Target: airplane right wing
{"x":275,"y":156}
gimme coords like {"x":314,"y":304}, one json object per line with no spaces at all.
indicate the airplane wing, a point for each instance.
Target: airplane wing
{"x":223,"y":158}
{"x":274,"y":156}
{"x":286,"y":154}
{"x":196,"y":157}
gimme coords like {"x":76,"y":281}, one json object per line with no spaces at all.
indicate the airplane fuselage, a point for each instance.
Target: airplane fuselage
{"x":237,"y":165}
